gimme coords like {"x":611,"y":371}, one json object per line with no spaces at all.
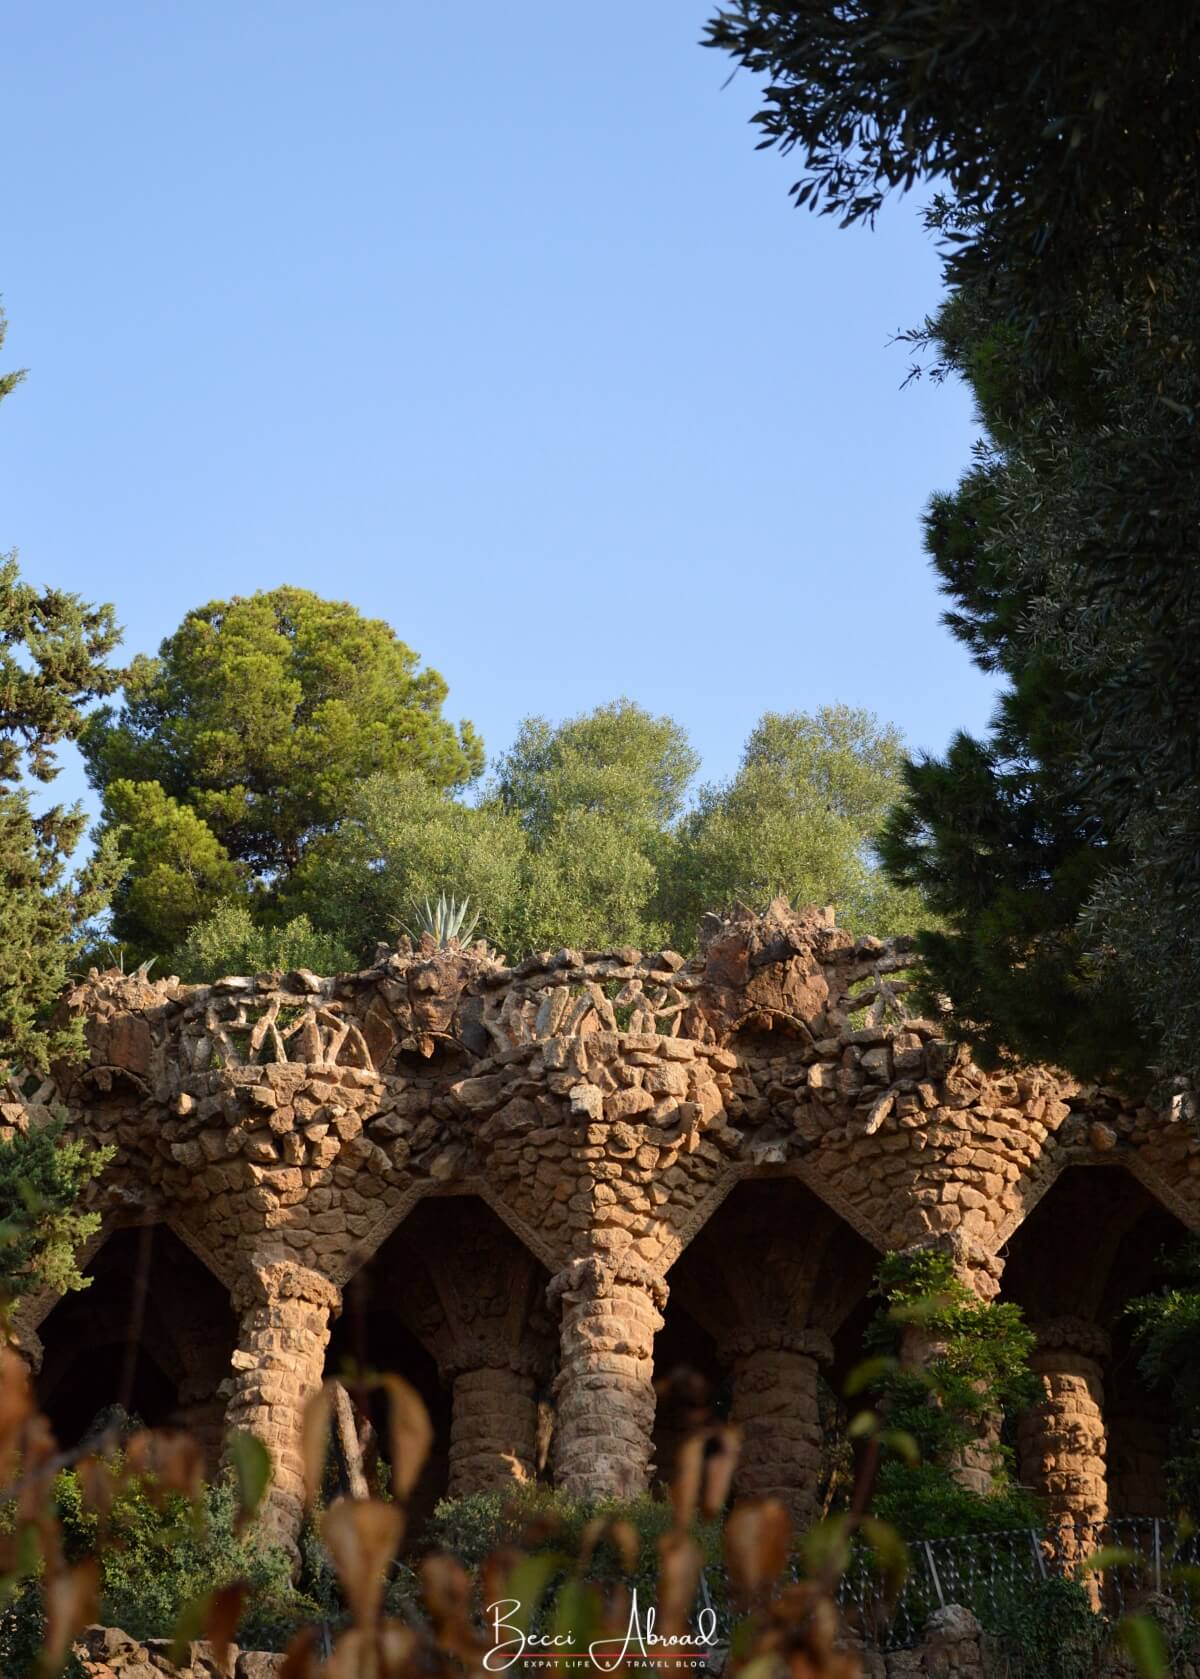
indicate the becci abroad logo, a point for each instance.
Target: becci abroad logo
{"x":560,"y":1651}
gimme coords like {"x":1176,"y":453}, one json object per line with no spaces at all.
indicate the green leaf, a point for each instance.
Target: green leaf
{"x":528,"y":1582}
{"x":1108,"y":1556}
{"x":826,"y":1547}
{"x":868,"y":1374}
{"x":891,"y":1552}
{"x":903,"y":1444}
{"x":1144,"y":1641}
{"x":251,"y":1462}
{"x":575,"y":1613}
{"x":189,"y":1626}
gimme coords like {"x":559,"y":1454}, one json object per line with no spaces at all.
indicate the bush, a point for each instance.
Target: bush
{"x":1044,"y":1629}
{"x":157,"y":1560}
{"x":539,"y":1518}
{"x":22,"y":1629}
{"x":977,"y":1375}
{"x":230,"y":941}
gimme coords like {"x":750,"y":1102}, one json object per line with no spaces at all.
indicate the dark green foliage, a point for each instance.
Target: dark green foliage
{"x":1063,"y":850}
{"x":977,"y":1373}
{"x":42,"y":1175}
{"x":22,"y":1635}
{"x":156,"y":1561}
{"x":53,"y":649}
{"x":1167,"y":1331}
{"x":242,"y":742}
{"x":1066,"y":134}
{"x":1044,"y":1628}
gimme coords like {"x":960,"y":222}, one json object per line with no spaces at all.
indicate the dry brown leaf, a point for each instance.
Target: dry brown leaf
{"x":224,"y":1613}
{"x":689,"y":1477}
{"x":680,"y":1562}
{"x":757,"y":1532}
{"x":447,"y":1591}
{"x":16,"y":1404}
{"x":314,"y":1440}
{"x":35,"y":1496}
{"x":410,"y":1433}
{"x":496,"y":1570}
{"x":362,"y":1536}
{"x":300,"y":1657}
{"x":353,"y":1657}
{"x":167,"y":1460}
{"x":719,"y":1465}
{"x":398,"y":1647}
{"x":96,"y":1485}
{"x":70,"y":1598}
{"x":621,"y":1535}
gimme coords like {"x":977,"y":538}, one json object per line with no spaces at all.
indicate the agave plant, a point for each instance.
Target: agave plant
{"x":445,"y":921}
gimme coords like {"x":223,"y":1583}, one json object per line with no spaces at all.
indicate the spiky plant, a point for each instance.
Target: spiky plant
{"x":446,"y":921}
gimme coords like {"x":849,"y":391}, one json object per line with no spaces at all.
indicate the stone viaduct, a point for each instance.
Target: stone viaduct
{"x":533,"y":1190}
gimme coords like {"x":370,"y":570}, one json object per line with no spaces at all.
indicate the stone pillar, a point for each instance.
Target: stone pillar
{"x":775,"y":1402}
{"x":285,"y":1310}
{"x":611,"y":1312}
{"x":1062,"y":1441}
{"x":493,"y":1428}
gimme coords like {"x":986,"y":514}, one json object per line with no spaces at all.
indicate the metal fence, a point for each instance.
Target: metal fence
{"x":992,"y":1574}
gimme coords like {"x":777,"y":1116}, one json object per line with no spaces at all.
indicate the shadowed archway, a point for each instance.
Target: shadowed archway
{"x":453,"y":1302}
{"x":759,"y":1297}
{"x":1094,"y":1448}
{"x":153,"y":1333}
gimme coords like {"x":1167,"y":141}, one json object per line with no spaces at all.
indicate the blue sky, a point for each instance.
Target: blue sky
{"x":489,"y":319}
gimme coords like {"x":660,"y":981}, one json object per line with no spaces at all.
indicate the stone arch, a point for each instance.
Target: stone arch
{"x":684,"y":1230}
{"x":1034,"y":1187}
{"x":765,"y":1288}
{"x":402,"y":1207}
{"x":455,"y":1303}
{"x":154,"y":1332}
{"x":1095,"y":1445}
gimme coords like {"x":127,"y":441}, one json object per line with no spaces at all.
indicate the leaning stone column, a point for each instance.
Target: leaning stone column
{"x":611,"y":1313}
{"x":775,"y":1402}
{"x":493,"y":1428}
{"x":1062,"y":1442}
{"x":285,"y":1310}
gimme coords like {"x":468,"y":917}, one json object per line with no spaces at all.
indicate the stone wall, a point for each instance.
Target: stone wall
{"x":612,"y":1110}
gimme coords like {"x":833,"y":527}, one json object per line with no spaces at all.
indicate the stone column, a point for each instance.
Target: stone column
{"x":285,"y":1310}
{"x":775,"y":1402}
{"x":611,"y":1312}
{"x":493,"y":1428}
{"x":1062,"y":1441}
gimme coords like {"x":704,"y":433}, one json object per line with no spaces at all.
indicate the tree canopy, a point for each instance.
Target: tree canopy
{"x":53,"y":653}
{"x":584,"y":837}
{"x":799,"y":820}
{"x":1063,"y":849}
{"x":243,"y":741}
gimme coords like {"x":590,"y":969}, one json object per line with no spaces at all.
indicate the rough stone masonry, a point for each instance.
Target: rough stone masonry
{"x":550,"y":1171}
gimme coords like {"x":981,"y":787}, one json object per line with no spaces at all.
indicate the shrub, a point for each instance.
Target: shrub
{"x":156,"y":1560}
{"x":473,"y":1526}
{"x":977,"y":1374}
